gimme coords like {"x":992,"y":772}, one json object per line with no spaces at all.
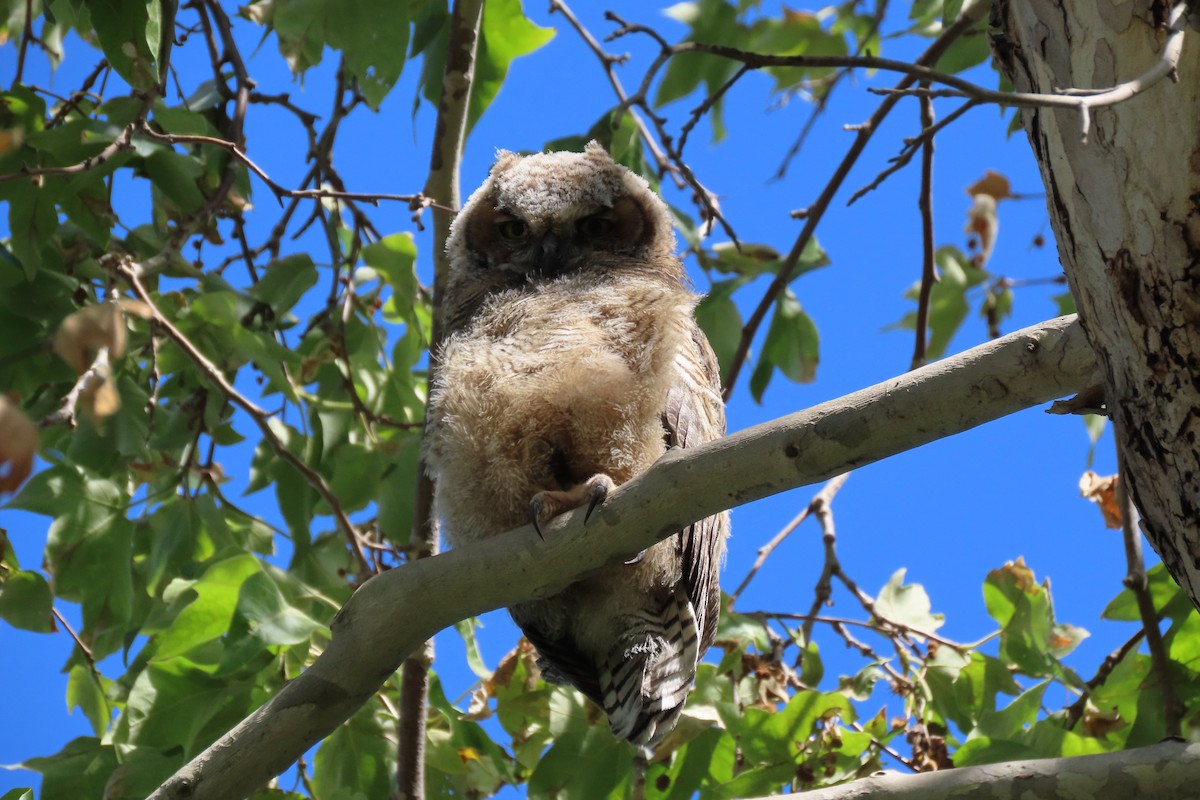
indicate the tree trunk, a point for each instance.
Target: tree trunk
{"x":1125,"y":207}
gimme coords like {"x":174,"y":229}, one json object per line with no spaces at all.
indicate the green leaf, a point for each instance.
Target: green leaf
{"x":948,"y":305}
{"x":25,"y":601}
{"x":129,"y":32}
{"x":86,"y":691}
{"x":80,"y":769}
{"x":792,"y":346}
{"x":1162,"y":587}
{"x":985,"y":750}
{"x":711,"y":22}
{"x":171,"y":703}
{"x":178,"y":177}
{"x":89,"y":556}
{"x":18,"y":794}
{"x":300,"y":28}
{"x":774,"y":737}
{"x":207,"y":616}
{"x":966,"y":51}
{"x":505,"y":36}
{"x":356,"y":760}
{"x":394,"y":257}
{"x":273,"y":619}
{"x":1029,"y":638}
{"x":466,"y":630}
{"x":585,"y":761}
{"x":1018,"y":715}
{"x":373,"y":38}
{"x":1065,"y":303}
{"x":719,"y":318}
{"x":907,"y":605}
{"x":795,"y":33}
{"x":284,"y":282}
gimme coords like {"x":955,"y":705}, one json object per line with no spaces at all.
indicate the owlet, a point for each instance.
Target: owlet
{"x":572,"y":363}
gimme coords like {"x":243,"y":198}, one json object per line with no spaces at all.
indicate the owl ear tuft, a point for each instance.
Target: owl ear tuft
{"x":504,"y":160}
{"x":596,"y":150}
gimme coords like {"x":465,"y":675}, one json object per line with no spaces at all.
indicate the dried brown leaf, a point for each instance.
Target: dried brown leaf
{"x":1022,"y":575}
{"x":993,"y":184}
{"x":1096,"y":723}
{"x":982,"y":221}
{"x":99,"y":398}
{"x":18,"y":445}
{"x":1102,"y":490}
{"x":84,"y":333}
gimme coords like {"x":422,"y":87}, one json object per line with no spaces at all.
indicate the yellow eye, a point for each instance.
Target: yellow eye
{"x":513,"y":229}
{"x":595,"y":226}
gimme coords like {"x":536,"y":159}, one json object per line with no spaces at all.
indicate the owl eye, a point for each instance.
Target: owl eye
{"x":513,"y":229}
{"x":595,"y":226}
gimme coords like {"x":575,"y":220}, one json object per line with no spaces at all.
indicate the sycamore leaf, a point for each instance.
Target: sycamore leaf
{"x":1102,"y":490}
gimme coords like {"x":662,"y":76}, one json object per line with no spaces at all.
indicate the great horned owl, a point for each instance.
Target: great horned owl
{"x":572,"y":363}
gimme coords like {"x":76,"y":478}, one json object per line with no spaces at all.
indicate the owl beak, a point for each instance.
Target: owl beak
{"x":553,"y":250}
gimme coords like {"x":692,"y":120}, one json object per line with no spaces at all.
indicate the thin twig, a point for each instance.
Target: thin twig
{"x":83,"y":648}
{"x":1110,"y":663}
{"x":911,"y":147}
{"x":1135,"y":580}
{"x":26,"y":38}
{"x":121,"y":143}
{"x":821,"y":498}
{"x":925,"y":204}
{"x":91,"y":378}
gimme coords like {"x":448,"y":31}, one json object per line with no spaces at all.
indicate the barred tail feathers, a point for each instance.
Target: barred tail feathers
{"x":648,"y":673}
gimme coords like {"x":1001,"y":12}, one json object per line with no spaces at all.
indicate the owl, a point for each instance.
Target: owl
{"x":572,"y":362}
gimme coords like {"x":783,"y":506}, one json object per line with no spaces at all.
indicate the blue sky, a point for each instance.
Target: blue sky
{"x":949,"y":512}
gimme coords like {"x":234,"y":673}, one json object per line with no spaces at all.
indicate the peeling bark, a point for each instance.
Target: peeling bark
{"x":1125,"y":208}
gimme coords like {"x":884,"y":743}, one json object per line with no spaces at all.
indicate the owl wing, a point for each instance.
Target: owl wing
{"x":695,"y":414}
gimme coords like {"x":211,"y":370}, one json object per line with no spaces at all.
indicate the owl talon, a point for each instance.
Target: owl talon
{"x":535,"y":514}
{"x":598,"y":492}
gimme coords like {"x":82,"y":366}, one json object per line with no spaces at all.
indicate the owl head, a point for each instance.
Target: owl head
{"x":548,"y":215}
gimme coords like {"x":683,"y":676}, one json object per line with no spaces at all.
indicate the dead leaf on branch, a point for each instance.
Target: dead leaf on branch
{"x":82,"y":335}
{"x":1098,"y":723}
{"x":18,"y":445}
{"x":1102,"y":490}
{"x":983,"y":221}
{"x":992,"y":184}
{"x":1022,"y":575}
{"x":80,"y":340}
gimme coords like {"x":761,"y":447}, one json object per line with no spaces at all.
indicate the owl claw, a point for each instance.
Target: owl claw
{"x":549,"y":504}
{"x":598,"y":492}
{"x":535,"y":513}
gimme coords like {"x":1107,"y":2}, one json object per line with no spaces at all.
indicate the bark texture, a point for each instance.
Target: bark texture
{"x":1125,"y":208}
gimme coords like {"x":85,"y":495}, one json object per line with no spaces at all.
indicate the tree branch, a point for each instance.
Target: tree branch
{"x":1165,"y":771}
{"x":370,"y":640}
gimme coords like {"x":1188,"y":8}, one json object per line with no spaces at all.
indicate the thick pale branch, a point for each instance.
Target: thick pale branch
{"x":1165,"y":771}
{"x":393,"y":613}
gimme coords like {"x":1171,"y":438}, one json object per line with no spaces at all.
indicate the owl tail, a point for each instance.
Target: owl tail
{"x":649,"y":672}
